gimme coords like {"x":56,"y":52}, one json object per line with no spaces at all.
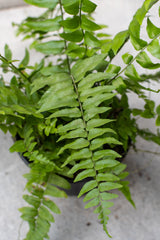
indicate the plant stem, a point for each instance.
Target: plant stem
{"x":118,"y":74}
{"x":69,"y":69}
{"x":14,"y":68}
{"x":83,"y":118}
{"x":80,"y":16}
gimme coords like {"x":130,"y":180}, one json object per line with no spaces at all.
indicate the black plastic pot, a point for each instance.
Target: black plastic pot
{"x":75,"y":187}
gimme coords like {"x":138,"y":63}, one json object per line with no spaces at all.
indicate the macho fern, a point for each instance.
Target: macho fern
{"x":71,"y":116}
{"x":66,"y":92}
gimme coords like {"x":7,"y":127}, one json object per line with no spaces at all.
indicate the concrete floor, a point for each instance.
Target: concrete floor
{"x":75,"y":223}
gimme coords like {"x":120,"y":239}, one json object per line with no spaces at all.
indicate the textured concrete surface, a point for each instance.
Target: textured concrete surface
{"x":75,"y":223}
{"x":9,"y":4}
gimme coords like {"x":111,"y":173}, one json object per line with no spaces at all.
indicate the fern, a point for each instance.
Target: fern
{"x":64,"y":93}
{"x":71,"y":116}
{"x":39,"y":215}
{"x":42,"y":183}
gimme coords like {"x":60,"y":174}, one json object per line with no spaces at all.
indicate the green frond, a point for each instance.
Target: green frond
{"x":56,"y":80}
{"x":154,"y":48}
{"x":88,"y":187}
{"x":107,"y":186}
{"x":67,"y":112}
{"x":78,"y":123}
{"x":91,"y":194}
{"x":132,"y":73}
{"x":78,"y":155}
{"x":34,"y":201}
{"x":152,"y":30}
{"x":97,"y":100}
{"x":108,"y":196}
{"x":119,"y":168}
{"x":85,"y":174}
{"x":93,"y":123}
{"x":125,"y":190}
{"x":54,"y":192}
{"x":93,"y":111}
{"x":45,"y":4}
{"x":92,"y":78}
{"x":99,"y":142}
{"x":78,"y":133}
{"x":44,"y":213}
{"x":51,"y":205}
{"x":46,"y":25}
{"x":144,"y":61}
{"x":108,"y":177}
{"x":119,"y":40}
{"x":58,"y":181}
{"x":71,"y":7}
{"x":50,"y":47}
{"x":96,"y":132}
{"x":58,"y":96}
{"x":70,"y":107}
{"x":94,"y":202}
{"x":71,"y":23}
{"x":39,"y":215}
{"x":83,"y":66}
{"x":95,"y":91}
{"x":82,"y":165}
{"x":105,"y":153}
{"x":75,"y":36}
{"x":106,"y":163}
{"x":77,"y":144}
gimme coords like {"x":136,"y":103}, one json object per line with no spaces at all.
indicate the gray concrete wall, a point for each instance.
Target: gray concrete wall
{"x":11,"y":3}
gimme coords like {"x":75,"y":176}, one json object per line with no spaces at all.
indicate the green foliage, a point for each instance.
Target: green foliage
{"x":73,"y":119}
{"x":44,"y":4}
